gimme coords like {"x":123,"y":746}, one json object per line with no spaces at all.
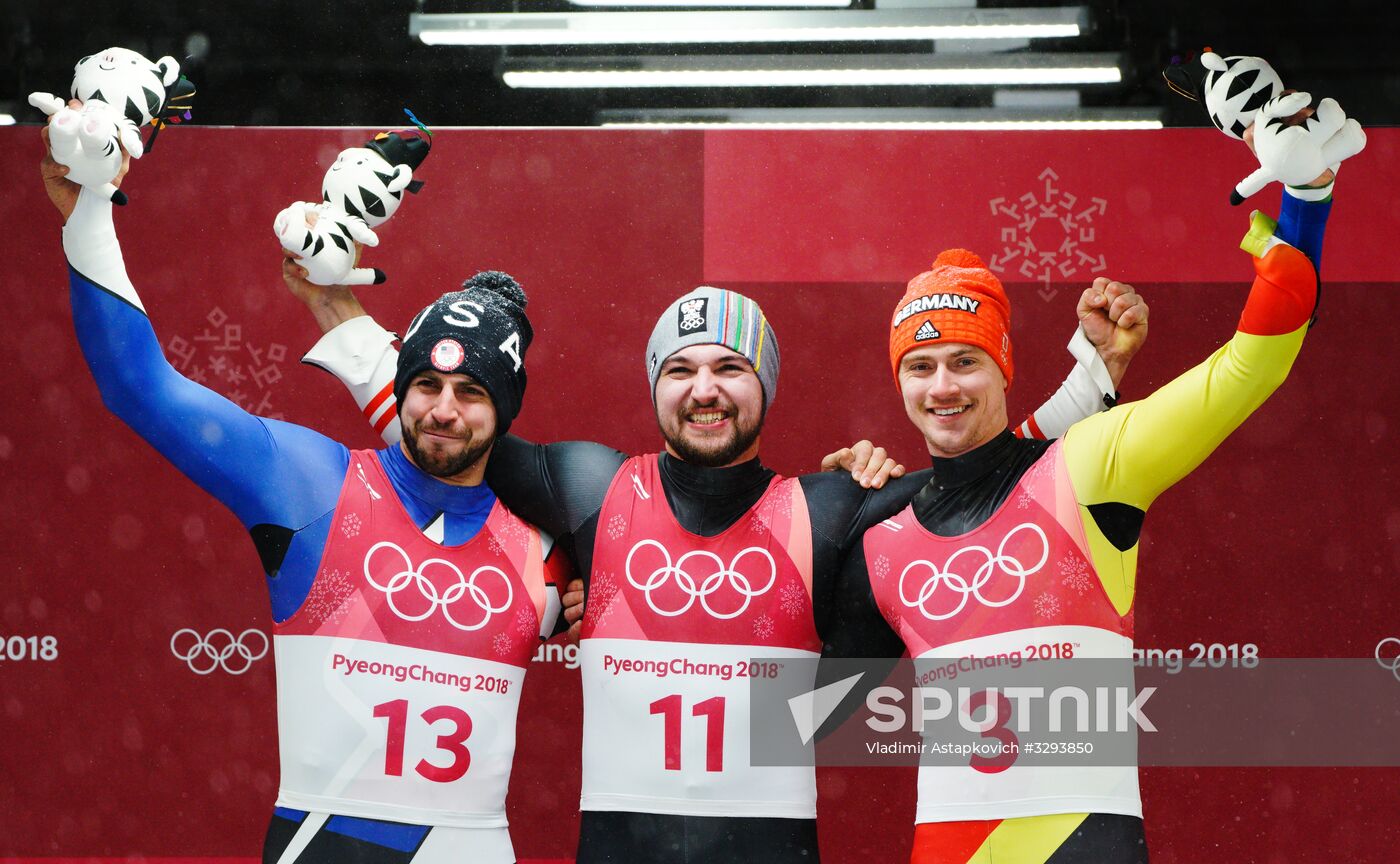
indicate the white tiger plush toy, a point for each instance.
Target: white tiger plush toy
{"x":121,"y":91}
{"x":325,"y":238}
{"x":359,"y":193}
{"x":1239,"y":92}
{"x":127,"y":81}
{"x":369,"y":181}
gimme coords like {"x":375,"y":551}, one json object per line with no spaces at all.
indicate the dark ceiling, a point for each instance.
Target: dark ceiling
{"x":319,"y":62}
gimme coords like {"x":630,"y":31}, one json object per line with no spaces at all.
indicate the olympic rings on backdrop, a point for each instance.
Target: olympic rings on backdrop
{"x":217,"y":650}
{"x":1393,"y":663}
{"x":965,"y":588}
{"x":464,"y":586}
{"x":724,"y":575}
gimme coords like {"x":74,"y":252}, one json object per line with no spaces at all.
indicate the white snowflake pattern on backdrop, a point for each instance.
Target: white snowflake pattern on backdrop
{"x":1048,"y":233}
{"x":219,"y":358}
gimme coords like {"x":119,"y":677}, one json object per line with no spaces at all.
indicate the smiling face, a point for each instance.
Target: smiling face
{"x":956,"y":396}
{"x":709,"y":405}
{"x":449,"y":425}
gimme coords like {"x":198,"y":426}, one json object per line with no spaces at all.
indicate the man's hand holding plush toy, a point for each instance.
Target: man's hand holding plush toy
{"x":59,"y":182}
{"x":1246,"y":100}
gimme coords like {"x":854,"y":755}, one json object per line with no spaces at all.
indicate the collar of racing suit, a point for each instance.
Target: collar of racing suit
{"x":966,"y":490}
{"x":706,"y":501}
{"x":433,"y":495}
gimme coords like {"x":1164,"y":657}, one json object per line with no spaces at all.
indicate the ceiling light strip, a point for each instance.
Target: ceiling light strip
{"x":683,"y":28}
{"x":973,"y":119}
{"x":833,"y":77}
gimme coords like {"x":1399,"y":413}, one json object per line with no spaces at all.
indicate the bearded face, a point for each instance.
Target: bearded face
{"x":449,"y":424}
{"x":709,"y":405}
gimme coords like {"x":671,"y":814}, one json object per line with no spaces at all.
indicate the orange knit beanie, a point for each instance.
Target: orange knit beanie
{"x":957,"y":300}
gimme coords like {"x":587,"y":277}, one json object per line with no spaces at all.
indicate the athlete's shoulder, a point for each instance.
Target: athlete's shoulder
{"x":835,"y":488}
{"x":571,"y":461}
{"x":1035,"y":448}
{"x":830,"y":483}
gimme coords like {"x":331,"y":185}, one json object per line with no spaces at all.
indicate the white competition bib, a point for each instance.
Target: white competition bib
{"x":666,"y":730}
{"x":386,"y":731}
{"x":949,"y":793}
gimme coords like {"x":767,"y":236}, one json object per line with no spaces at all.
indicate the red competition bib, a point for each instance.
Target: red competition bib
{"x":399,"y":678}
{"x":1020,"y":585}
{"x":673,"y":624}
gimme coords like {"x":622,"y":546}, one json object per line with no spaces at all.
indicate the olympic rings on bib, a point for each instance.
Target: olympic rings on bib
{"x":215,"y":651}
{"x":464,"y":587}
{"x":730,"y":575}
{"x":956,"y":583}
{"x":1391,"y":663}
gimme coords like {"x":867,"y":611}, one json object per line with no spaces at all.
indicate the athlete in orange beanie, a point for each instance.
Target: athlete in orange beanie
{"x":1078,"y":508}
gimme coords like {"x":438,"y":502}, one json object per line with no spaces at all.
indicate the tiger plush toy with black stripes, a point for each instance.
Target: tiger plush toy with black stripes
{"x":121,"y":91}
{"x":324,"y":238}
{"x":1294,"y":140}
{"x":358,"y":194}
{"x":127,"y":81}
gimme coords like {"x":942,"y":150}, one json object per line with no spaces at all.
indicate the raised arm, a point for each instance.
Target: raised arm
{"x":1119,"y":462}
{"x":275,"y":477}
{"x":1112,"y":329}
{"x":225,"y":450}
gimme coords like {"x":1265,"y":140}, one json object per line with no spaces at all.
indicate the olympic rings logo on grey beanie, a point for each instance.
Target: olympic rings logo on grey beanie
{"x":716,"y":316}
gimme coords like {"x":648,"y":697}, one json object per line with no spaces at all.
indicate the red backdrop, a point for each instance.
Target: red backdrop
{"x":1288,"y":538}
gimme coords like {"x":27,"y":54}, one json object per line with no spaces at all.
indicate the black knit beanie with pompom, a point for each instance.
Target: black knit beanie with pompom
{"x":481,"y":331}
